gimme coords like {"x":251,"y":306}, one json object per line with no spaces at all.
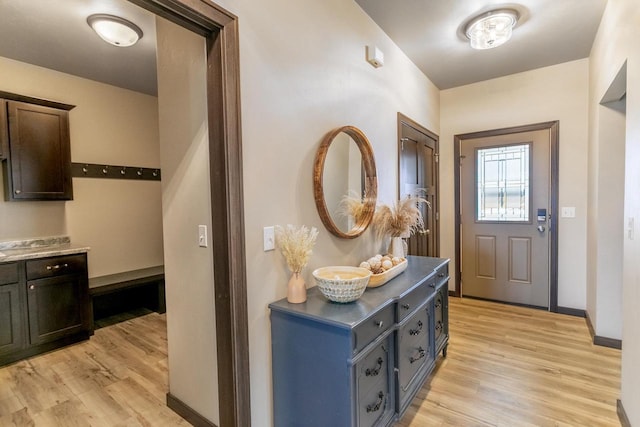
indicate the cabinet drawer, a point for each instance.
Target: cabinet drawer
{"x":56,"y":266}
{"x":372,"y":327}
{"x":442,"y":274}
{"x":408,"y":303}
{"x":8,"y":273}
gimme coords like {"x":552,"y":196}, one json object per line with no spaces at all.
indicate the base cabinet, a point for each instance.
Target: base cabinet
{"x":11,"y":314}
{"x":54,"y":309}
{"x":358,"y":364}
{"x":48,"y":311}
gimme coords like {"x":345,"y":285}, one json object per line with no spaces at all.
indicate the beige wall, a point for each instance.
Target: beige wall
{"x":303,"y":73}
{"x":120,"y":220}
{"x":186,"y":203}
{"x":606,"y":223}
{"x":617,"y":42}
{"x":552,"y":93}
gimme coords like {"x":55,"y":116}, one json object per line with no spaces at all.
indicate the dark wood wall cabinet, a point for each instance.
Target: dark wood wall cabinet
{"x":44,"y":304}
{"x":359,"y":364}
{"x":35,"y":148}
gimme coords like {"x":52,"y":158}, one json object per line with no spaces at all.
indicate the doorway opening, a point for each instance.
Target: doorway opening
{"x":220,"y":29}
{"x":418,"y":174}
{"x":606,"y":222}
{"x":505,"y":221}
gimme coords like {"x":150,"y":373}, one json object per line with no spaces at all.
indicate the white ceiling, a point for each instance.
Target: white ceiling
{"x":54,"y":34}
{"x":430,"y":32}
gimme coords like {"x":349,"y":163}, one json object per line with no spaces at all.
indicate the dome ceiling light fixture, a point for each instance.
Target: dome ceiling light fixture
{"x":491,"y":29}
{"x":115,"y":30}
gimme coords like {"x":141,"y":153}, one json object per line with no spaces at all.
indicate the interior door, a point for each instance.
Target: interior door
{"x":418,"y":177}
{"x":505,"y":201}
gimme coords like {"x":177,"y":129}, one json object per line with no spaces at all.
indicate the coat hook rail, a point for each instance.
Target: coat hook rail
{"x":93,"y":170}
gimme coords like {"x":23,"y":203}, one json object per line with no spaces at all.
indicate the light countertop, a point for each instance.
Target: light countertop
{"x":19,"y":250}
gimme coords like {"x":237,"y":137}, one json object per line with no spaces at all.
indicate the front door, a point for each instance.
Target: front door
{"x":505,"y":211}
{"x":419,"y":177}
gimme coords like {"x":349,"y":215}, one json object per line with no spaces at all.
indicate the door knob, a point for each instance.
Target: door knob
{"x":541,"y":228}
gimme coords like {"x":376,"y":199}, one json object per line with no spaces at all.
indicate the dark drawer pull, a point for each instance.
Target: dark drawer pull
{"x":432,"y":284}
{"x":378,"y":404}
{"x":440,"y":274}
{"x":379,"y":324}
{"x":417,"y":330}
{"x":438,"y":304}
{"x":375,"y":371}
{"x":406,"y":306}
{"x":438,"y":326}
{"x":56,"y":267}
{"x":421,"y":354}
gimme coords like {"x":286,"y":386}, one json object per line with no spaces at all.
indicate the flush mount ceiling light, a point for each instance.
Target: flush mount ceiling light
{"x":115,"y":30}
{"x":491,"y":29}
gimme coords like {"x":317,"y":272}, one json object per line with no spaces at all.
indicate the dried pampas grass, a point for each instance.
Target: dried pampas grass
{"x":295,"y":245}
{"x":400,"y":220}
{"x":352,"y":205}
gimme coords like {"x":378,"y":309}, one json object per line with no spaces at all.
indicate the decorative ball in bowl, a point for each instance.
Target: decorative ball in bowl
{"x":342,"y":283}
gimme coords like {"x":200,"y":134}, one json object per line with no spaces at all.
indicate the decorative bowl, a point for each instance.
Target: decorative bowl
{"x":342,"y":283}
{"x":382,"y":278}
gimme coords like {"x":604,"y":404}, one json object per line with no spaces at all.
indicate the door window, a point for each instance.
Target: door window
{"x":503,"y":184}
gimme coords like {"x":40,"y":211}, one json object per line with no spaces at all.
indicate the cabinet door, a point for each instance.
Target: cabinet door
{"x":57,"y":307}
{"x":11,"y":320}
{"x":4,"y":130}
{"x":441,"y":310}
{"x":375,"y":391}
{"x":415,"y":356}
{"x":39,"y":158}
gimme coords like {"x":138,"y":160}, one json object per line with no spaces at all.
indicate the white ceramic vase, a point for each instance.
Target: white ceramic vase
{"x":296,"y":289}
{"x":396,"y":247}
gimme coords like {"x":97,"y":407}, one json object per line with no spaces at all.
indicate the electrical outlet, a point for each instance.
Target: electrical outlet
{"x":202,"y":236}
{"x":630,"y":228}
{"x":269,"y":237}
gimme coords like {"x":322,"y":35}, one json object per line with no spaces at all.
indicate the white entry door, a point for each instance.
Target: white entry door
{"x":505,"y":201}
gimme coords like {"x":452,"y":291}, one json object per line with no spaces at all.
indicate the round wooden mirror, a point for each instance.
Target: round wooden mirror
{"x":345,"y":184}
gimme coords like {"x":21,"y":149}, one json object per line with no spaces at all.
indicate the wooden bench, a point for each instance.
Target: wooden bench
{"x":117,"y":293}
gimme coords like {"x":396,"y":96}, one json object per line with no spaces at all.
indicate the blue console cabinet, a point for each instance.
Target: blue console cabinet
{"x":361,"y":363}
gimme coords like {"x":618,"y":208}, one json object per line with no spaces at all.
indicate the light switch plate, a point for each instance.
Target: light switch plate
{"x":202,"y":236}
{"x":269,"y":237}
{"x":568,"y":212}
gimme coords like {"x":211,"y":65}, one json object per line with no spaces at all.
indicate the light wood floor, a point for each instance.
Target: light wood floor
{"x":513,"y":366}
{"x":117,"y":378}
{"x":506,"y":366}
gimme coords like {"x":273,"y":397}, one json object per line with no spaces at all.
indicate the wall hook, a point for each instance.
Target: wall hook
{"x":93,"y":170}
